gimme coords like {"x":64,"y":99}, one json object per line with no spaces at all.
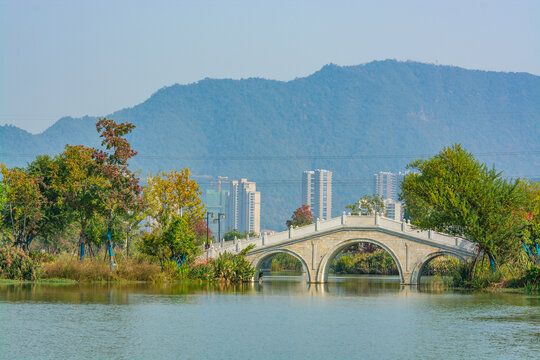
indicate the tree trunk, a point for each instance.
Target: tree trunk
{"x":82,"y":241}
{"x":127,"y":247}
{"x":473,"y":271}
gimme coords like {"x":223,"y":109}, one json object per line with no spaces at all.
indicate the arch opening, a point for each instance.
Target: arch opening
{"x":281,"y":263}
{"x":436,"y":270}
{"x":362,"y":258}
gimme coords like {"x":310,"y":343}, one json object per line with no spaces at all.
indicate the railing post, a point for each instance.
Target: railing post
{"x":317,"y":225}
{"x":343,"y":218}
{"x":376,"y":218}
{"x":290,"y":232}
{"x":264,"y":238}
{"x":429,"y":234}
{"x":402,"y":226}
{"x":238,"y":244}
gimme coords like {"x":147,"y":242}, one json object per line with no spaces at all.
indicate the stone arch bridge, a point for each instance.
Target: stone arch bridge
{"x":317,"y":244}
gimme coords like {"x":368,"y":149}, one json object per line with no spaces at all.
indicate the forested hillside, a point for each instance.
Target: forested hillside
{"x":354,"y":120}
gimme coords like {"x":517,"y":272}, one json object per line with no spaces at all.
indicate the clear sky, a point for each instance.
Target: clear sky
{"x":69,"y":57}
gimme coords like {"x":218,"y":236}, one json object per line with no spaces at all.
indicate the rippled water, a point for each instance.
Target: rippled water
{"x":281,"y":317}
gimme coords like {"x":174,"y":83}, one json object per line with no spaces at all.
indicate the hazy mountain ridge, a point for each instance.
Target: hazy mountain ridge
{"x":380,"y":108}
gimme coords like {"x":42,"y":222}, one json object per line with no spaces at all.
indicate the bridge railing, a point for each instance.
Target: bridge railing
{"x":430,"y":235}
{"x":335,"y":223}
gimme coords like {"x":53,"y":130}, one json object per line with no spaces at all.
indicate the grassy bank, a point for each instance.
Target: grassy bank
{"x":19,"y":266}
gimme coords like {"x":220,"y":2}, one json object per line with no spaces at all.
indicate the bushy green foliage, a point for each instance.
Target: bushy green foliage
{"x":232,"y":268}
{"x":378,"y":262}
{"x":227,"y":267}
{"x":283,"y":261}
{"x":230,"y":235}
{"x":367,"y":205}
{"x":16,"y":264}
{"x":456,"y":194}
{"x":177,"y":243}
{"x":531,"y":280}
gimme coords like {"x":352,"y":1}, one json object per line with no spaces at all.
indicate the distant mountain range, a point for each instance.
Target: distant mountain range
{"x":353,"y":120}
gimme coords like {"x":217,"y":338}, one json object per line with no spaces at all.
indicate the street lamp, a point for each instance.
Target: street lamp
{"x":208,"y":214}
{"x":218,"y":220}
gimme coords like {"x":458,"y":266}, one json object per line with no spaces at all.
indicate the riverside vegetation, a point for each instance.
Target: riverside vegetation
{"x":82,"y":215}
{"x":78,"y":215}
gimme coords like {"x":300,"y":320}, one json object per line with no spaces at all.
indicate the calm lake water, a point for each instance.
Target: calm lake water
{"x":279,"y":318}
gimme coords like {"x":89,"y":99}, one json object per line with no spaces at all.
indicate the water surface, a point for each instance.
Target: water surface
{"x":351,"y":317}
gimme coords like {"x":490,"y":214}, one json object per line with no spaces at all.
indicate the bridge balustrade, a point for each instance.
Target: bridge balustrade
{"x":342,"y":221}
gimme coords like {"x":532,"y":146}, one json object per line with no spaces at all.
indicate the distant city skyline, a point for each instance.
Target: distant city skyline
{"x":74,"y":58}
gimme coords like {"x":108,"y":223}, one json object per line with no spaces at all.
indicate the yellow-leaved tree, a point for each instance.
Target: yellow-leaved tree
{"x":168,"y":195}
{"x":173,"y":207}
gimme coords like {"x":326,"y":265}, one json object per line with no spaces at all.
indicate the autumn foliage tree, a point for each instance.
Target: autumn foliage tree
{"x":300,"y":217}
{"x":174,"y":209}
{"x":172,"y":194}
{"x":122,"y":197}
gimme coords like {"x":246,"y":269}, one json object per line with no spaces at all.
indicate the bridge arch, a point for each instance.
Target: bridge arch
{"x":322,"y":274}
{"x":421,"y":264}
{"x":263,"y":257}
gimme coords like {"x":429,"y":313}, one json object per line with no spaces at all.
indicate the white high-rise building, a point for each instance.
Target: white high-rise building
{"x":393,"y":209}
{"x":387,"y":184}
{"x":317,"y":193}
{"x":244,"y":207}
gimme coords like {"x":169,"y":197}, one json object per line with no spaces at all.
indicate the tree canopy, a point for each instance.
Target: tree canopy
{"x":454,"y":193}
{"x":300,"y":217}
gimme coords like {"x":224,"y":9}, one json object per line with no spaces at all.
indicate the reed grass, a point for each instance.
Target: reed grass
{"x":66,"y":266}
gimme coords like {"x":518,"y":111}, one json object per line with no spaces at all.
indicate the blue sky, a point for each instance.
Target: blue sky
{"x":78,"y":58}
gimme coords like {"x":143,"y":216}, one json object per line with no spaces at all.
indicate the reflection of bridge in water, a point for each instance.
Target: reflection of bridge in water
{"x":317,"y":244}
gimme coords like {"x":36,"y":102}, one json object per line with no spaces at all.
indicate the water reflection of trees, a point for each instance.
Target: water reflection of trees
{"x":118,"y":294}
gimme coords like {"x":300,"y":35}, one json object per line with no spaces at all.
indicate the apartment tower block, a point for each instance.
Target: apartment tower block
{"x":244,"y":207}
{"x":317,"y":193}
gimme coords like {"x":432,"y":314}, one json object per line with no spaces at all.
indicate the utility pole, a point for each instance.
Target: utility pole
{"x":208,"y":215}
{"x":219,"y":217}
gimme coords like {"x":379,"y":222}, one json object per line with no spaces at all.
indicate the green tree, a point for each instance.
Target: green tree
{"x":531,"y":232}
{"x":367,"y":205}
{"x":177,"y":243}
{"x":300,"y":217}
{"x":54,"y":220}
{"x":22,"y":205}
{"x":230,"y":235}
{"x":456,"y":194}
{"x":81,"y":185}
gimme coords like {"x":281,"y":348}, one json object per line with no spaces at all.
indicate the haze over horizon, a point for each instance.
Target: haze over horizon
{"x":66,"y":58}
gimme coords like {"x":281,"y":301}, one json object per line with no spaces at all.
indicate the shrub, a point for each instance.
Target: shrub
{"x":378,"y":262}
{"x":531,"y":280}
{"x":283,"y":261}
{"x":227,"y":267}
{"x":202,"y":271}
{"x":16,"y":264}
{"x":232,"y":268}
